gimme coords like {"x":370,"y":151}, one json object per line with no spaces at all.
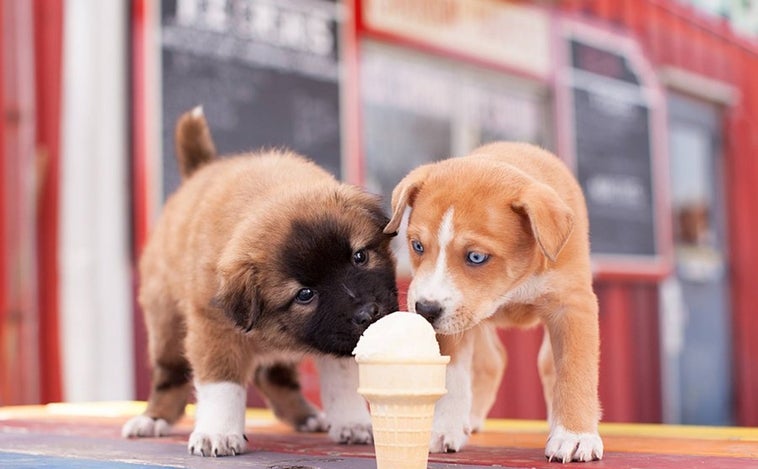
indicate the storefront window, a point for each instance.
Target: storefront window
{"x":418,"y":109}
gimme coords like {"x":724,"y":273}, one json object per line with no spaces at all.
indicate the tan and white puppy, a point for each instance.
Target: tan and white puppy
{"x":257,"y":260}
{"x":500,"y":238}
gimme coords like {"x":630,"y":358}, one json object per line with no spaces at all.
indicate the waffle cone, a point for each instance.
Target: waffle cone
{"x":401,"y":396}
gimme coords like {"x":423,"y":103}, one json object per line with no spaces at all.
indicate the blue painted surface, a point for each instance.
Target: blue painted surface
{"x":19,"y":460}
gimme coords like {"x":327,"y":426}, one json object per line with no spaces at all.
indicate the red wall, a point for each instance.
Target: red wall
{"x":670,"y":34}
{"x":30,"y":84}
{"x":676,"y":35}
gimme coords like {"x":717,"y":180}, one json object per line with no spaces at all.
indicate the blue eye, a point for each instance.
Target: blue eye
{"x":305,"y":296}
{"x":417,"y":246}
{"x":476,"y":258}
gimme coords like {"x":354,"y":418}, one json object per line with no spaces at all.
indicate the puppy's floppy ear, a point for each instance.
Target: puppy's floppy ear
{"x":404,"y":195}
{"x":551,"y":219}
{"x":371,"y":204}
{"x":239,"y":295}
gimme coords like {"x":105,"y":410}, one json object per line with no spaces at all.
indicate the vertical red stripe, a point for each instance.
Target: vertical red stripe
{"x":352,"y":121}
{"x":140,"y":169}
{"x":140,"y":178}
{"x":617,"y":377}
{"x":742,"y":177}
{"x":4,"y":382}
{"x":20,"y":326}
{"x":48,"y":29}
{"x":645,"y":350}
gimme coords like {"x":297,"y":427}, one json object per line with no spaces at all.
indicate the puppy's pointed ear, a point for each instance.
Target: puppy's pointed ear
{"x":551,"y":220}
{"x":238,"y":294}
{"x":404,"y":195}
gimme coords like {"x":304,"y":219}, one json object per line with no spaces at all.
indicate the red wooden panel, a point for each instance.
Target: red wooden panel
{"x":140,"y":177}
{"x":645,"y":350}
{"x":633,"y":16}
{"x":616,"y":368}
{"x":520,"y":393}
{"x":743,"y":176}
{"x":352,"y":124}
{"x":611,"y":10}
{"x":654,"y":32}
{"x":48,"y":40}
{"x":20,"y":326}
{"x":573,"y":5}
{"x":4,"y":333}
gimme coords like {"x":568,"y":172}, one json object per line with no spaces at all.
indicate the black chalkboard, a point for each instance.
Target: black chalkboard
{"x":265,"y":72}
{"x":611,"y":123}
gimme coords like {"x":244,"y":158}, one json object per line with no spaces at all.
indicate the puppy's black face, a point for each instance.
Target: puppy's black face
{"x":313,"y":276}
{"x":346,"y":281}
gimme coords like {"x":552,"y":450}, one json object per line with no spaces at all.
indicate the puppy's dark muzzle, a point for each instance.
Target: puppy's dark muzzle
{"x":429,"y":310}
{"x":366,"y":314}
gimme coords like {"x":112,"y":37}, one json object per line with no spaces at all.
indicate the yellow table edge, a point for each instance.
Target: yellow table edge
{"x":256,"y":416}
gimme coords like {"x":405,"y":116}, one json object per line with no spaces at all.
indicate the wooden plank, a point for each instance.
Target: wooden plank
{"x":90,"y":433}
{"x":48,"y":44}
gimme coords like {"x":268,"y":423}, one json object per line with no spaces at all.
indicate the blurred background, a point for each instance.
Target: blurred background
{"x":652,"y":103}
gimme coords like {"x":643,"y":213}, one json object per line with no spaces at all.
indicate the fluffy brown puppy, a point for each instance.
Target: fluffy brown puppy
{"x":256,"y":260}
{"x":500,"y":238}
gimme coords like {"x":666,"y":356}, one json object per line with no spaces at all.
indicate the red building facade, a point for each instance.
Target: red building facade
{"x":681,"y":61}
{"x":701,"y":54}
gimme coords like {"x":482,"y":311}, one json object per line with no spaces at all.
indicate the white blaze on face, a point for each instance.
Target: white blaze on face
{"x":437,"y":285}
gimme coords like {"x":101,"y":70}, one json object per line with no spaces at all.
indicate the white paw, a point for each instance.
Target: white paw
{"x":203,"y":444}
{"x":450,"y":440}
{"x":144,"y":426}
{"x":219,"y":420}
{"x":314,"y":423}
{"x":565,"y":446}
{"x":356,"y":433}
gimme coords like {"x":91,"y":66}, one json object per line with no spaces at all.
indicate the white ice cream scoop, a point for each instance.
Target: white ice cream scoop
{"x":400,"y":335}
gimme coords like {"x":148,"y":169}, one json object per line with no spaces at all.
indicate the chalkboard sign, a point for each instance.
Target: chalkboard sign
{"x":612,"y":129}
{"x":265,"y":72}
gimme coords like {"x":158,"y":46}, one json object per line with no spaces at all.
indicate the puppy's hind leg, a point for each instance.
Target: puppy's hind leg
{"x":171,"y":373}
{"x":452,"y":426}
{"x":546,"y":368}
{"x":488,"y":367}
{"x":346,"y":410}
{"x":280,"y":385}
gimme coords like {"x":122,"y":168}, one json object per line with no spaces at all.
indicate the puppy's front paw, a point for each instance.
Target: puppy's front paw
{"x":450,"y":440}
{"x":203,"y":444}
{"x":356,"y":433}
{"x":144,"y":426}
{"x":313,"y":423}
{"x":565,"y":446}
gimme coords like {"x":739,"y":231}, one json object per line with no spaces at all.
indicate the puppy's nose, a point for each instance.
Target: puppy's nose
{"x":366,"y":314}
{"x":430,"y":310}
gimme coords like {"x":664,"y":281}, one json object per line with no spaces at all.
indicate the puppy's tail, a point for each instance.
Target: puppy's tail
{"x":194,"y":145}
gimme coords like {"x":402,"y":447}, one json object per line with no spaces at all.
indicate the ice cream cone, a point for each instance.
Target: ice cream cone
{"x":401,"y":396}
